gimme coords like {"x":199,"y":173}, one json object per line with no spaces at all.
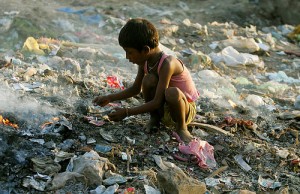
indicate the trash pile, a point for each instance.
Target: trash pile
{"x":53,"y":139}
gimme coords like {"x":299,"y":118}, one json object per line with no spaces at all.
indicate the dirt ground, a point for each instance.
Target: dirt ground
{"x":40,"y":18}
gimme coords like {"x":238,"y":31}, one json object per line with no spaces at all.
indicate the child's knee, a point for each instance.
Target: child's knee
{"x":172,"y":93}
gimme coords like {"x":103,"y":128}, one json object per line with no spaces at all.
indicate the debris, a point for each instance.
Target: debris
{"x":211,"y":182}
{"x":61,"y":156}
{"x":114,"y":82}
{"x":45,"y":165}
{"x":27,"y":87}
{"x":242,"y":163}
{"x":129,"y":140}
{"x":130,"y":190}
{"x":129,"y":159}
{"x":107,"y":136}
{"x":211,"y":128}
{"x":90,"y":141}
{"x":293,"y":53}
{"x":268,"y":183}
{"x":233,"y":58}
{"x":151,"y":190}
{"x":60,"y":179}
{"x":31,"y":45}
{"x":242,"y":192}
{"x":53,"y":63}
{"x":241,"y":44}
{"x":114,"y":179}
{"x":282,"y":153}
{"x":297,"y":103}
{"x":4,"y":63}
{"x":92,"y":166}
{"x":218,"y":171}
{"x":203,"y":152}
{"x":32,"y":182}
{"x":294,"y":114}
{"x":102,"y":148}
{"x":295,"y":34}
{"x":173,"y":180}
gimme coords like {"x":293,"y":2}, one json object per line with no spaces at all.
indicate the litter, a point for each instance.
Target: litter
{"x":203,"y":152}
{"x":242,"y":163}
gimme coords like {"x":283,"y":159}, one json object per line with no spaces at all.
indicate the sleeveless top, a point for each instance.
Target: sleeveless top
{"x":183,"y":81}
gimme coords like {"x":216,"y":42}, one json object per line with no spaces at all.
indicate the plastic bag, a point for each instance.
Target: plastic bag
{"x":202,"y":150}
{"x":114,"y":82}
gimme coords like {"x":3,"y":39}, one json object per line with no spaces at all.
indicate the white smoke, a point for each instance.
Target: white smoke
{"x":25,"y":108}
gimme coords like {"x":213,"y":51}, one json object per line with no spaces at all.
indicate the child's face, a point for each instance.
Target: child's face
{"x":135,"y":56}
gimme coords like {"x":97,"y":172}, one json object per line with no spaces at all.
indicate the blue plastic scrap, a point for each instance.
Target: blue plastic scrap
{"x":70,"y":10}
{"x":89,"y":19}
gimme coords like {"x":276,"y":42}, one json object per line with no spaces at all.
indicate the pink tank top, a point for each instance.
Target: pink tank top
{"x":183,"y":81}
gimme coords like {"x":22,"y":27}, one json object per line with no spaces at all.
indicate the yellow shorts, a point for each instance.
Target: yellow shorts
{"x":168,"y":121}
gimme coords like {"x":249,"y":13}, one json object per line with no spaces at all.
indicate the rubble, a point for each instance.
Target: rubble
{"x":54,"y":62}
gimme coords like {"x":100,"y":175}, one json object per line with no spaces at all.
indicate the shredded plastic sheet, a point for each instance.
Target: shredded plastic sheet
{"x":95,"y":121}
{"x":114,"y":82}
{"x":268,"y":183}
{"x":202,"y":150}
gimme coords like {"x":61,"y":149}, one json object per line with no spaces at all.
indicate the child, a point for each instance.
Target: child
{"x":166,"y":84}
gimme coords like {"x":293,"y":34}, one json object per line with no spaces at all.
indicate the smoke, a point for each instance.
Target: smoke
{"x":25,"y":108}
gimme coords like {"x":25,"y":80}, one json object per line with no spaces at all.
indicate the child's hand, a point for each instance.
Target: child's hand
{"x":118,"y":115}
{"x":101,"y":100}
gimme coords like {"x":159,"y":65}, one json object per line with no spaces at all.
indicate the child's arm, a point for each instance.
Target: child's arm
{"x":165,"y":74}
{"x":170,"y":67}
{"x":133,"y":90}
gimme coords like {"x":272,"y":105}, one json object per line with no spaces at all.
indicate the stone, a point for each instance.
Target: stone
{"x":175,"y":181}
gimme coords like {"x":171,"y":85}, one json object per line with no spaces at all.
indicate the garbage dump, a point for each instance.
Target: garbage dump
{"x":56,"y":57}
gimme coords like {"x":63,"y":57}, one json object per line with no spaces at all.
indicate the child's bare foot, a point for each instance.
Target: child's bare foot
{"x":185,"y":135}
{"x":152,"y":126}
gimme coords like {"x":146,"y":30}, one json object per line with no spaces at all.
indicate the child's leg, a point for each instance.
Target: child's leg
{"x":179,"y":109}
{"x":149,"y":84}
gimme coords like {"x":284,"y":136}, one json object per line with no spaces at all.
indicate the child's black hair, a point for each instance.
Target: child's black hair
{"x":138,"y":33}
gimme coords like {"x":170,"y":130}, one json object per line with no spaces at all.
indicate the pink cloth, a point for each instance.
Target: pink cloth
{"x":183,"y":81}
{"x":202,"y":150}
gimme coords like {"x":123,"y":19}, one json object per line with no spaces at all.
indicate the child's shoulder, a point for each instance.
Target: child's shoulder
{"x":169,"y":58}
{"x":170,"y":62}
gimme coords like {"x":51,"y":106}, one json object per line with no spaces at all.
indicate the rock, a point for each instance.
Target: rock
{"x":175,"y":181}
